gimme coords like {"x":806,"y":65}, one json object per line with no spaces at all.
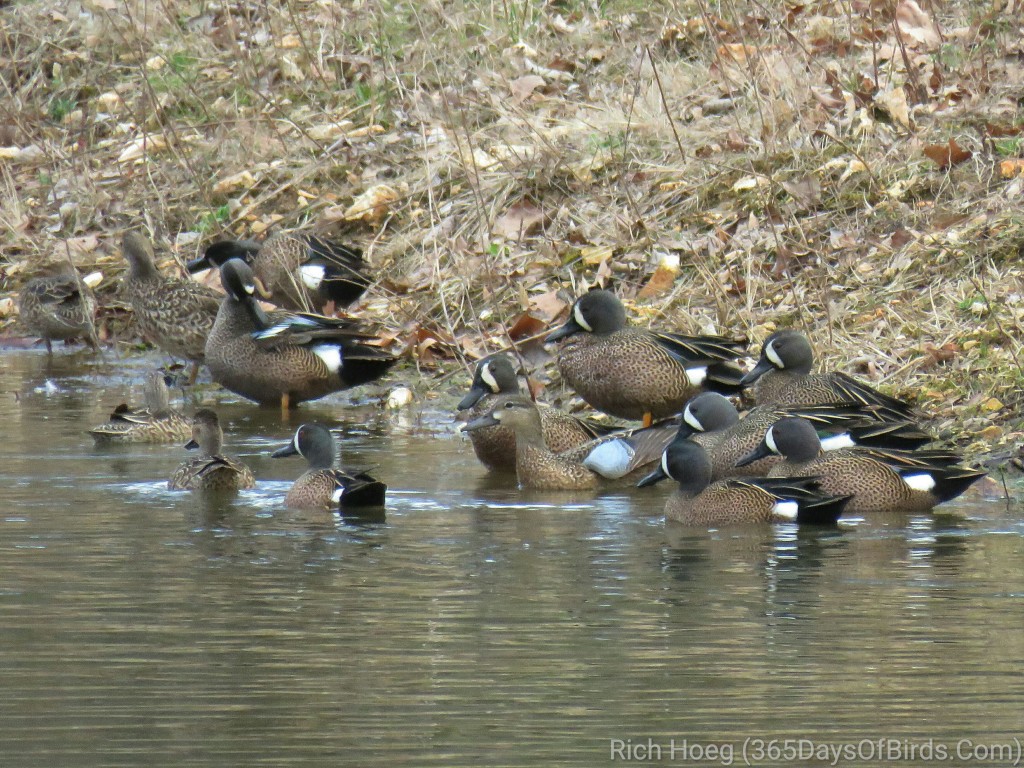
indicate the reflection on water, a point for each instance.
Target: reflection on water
{"x":475,"y":626}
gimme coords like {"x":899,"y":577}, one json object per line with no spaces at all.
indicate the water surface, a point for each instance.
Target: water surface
{"x":476,"y":626}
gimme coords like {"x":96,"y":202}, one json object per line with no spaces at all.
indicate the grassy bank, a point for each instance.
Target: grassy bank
{"x":731,"y":167}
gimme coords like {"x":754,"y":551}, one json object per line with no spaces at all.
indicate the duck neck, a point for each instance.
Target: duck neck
{"x":211,"y":441}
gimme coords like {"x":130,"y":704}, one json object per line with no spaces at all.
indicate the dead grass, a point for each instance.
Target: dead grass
{"x":733,"y":167}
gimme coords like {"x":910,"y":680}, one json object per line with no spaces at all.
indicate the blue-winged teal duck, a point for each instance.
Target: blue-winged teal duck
{"x":58,"y":307}
{"x":878,"y":480}
{"x":638,"y":374}
{"x":156,"y":423}
{"x":174,"y":314}
{"x":495,"y":447}
{"x":211,"y":470}
{"x":699,"y":501}
{"x":286,"y":357}
{"x":783,"y":376}
{"x":324,"y":484}
{"x":615,"y":456}
{"x":713,"y":422}
{"x":297,"y":271}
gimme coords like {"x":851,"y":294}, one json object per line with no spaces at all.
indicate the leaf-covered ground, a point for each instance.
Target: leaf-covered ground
{"x":853,"y":168}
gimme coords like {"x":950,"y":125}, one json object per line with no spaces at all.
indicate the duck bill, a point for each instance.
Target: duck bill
{"x":685,"y":431}
{"x":761,"y":452}
{"x":259,"y":317}
{"x":480,"y":423}
{"x":759,"y":370}
{"x":192,"y":445}
{"x":655,"y":477}
{"x":288,"y":450}
{"x":198,"y":265}
{"x":569,"y":329}
{"x":472,"y":398}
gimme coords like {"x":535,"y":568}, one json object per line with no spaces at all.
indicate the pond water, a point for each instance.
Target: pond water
{"x":475,"y":626}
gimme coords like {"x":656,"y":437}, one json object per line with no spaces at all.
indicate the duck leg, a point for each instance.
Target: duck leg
{"x":193,"y":374}
{"x":285,"y":404}
{"x":648,"y":419}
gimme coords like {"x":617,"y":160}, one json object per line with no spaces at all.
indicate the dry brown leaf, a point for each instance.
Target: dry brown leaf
{"x":592,"y":255}
{"x":737,"y":52}
{"x":660,"y":282}
{"x":523,"y":87}
{"x":947,"y":156}
{"x":936,"y":356}
{"x":894,"y":101}
{"x":526,"y":326}
{"x":1012,"y":168}
{"x":235,"y":182}
{"x":534,"y":387}
{"x":992,"y":405}
{"x":80,"y":246}
{"x":899,"y":238}
{"x":548,"y":305}
{"x":143,"y":145}
{"x":991,"y":432}
{"x":373,"y":205}
{"x":521,"y":220}
{"x":806,"y":191}
{"x":916,"y":27}
{"x":1003,"y":131}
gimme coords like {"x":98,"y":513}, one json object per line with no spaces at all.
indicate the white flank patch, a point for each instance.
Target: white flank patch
{"x":786,"y":509}
{"x":922,"y":482}
{"x":610,"y":459}
{"x":835,"y":442}
{"x":330,"y":355}
{"x":773,"y":356}
{"x":696,"y":376}
{"x":336,"y":496}
{"x":488,"y":377}
{"x":312,"y":275}
{"x":578,"y":317}
{"x":295,"y":440}
{"x":249,"y":288}
{"x":692,"y":420}
{"x":769,"y":440}
{"x":664,"y":464}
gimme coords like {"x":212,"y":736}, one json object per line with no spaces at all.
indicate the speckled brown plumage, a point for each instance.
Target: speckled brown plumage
{"x":325,"y":485}
{"x":875,"y":478}
{"x":318,"y":487}
{"x":537,"y":467}
{"x":156,"y":423}
{"x":211,"y":470}
{"x":875,"y":484}
{"x":286,"y":361}
{"x":783,"y":376}
{"x":727,"y":438}
{"x":698,"y":501}
{"x":734,"y":501}
{"x":279,"y":263}
{"x":174,"y":314}
{"x":630,"y":372}
{"x":57,"y":307}
{"x":495,"y":447}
